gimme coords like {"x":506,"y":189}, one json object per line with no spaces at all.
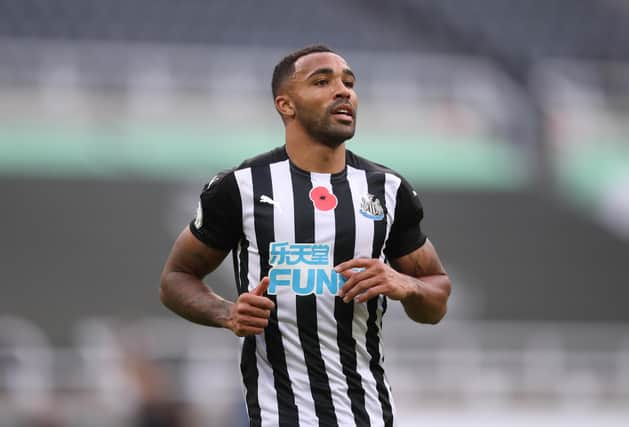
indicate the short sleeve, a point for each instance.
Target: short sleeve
{"x":406,"y":234}
{"x":218,"y":221}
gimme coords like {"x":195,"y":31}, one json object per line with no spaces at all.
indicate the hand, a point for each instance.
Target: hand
{"x":374,"y":278}
{"x":250,"y":313}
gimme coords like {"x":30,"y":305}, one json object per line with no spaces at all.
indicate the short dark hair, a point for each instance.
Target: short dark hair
{"x":286,"y":67}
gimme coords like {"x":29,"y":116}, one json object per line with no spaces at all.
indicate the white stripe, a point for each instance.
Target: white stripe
{"x":267,"y":395}
{"x":284,"y":225}
{"x":362,"y":248}
{"x":245,"y":186}
{"x":364,"y":226}
{"x":283,"y":211}
{"x":325,"y":232}
{"x":391,"y":185}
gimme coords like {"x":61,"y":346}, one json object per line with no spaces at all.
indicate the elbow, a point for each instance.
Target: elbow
{"x":428,"y":316}
{"x":437,"y":310}
{"x":442,"y":308}
{"x":162,"y":295}
{"x":164,"y":289}
{"x":437,"y":316}
{"x":167,"y":294}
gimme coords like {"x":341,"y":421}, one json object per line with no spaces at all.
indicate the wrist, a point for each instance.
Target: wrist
{"x":413,"y":290}
{"x":227,"y":320}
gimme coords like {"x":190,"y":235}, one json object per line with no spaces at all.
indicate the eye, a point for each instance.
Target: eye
{"x":322,"y":82}
{"x":349,"y":84}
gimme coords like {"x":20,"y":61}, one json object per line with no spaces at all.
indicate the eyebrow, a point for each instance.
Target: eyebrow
{"x":346,"y":71}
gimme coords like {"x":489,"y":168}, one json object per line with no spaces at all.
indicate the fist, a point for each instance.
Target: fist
{"x":367,"y":278}
{"x":250,"y":313}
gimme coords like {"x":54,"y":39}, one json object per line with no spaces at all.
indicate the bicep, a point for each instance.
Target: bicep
{"x":421,"y":262}
{"x":190,"y":255}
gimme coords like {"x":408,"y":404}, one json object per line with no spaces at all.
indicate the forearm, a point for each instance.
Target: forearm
{"x":187,"y":296}
{"x":428,"y":298}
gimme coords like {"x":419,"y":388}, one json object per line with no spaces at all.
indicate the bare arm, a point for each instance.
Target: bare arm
{"x":430,"y":284}
{"x":183,"y":291}
{"x":417,"y":280}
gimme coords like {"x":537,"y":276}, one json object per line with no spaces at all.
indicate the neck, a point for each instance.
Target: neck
{"x":314,"y":156}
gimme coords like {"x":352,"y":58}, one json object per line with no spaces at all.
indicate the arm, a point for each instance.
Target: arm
{"x":183,"y":291}
{"x":417,"y":280}
{"x":430,"y":284}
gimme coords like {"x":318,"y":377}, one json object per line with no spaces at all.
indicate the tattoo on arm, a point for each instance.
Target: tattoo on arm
{"x":421,"y":262}
{"x":426,"y":264}
{"x":193,"y":257}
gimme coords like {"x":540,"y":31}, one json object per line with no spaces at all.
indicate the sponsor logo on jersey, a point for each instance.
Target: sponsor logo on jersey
{"x":371,"y":208}
{"x":322,"y":198}
{"x":304,"y":268}
{"x":266,"y":199}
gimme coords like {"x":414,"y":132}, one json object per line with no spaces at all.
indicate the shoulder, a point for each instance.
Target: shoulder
{"x":276,"y":155}
{"x":394,"y":181}
{"x":226,"y":178}
{"x":373,"y":168}
{"x":360,"y":162}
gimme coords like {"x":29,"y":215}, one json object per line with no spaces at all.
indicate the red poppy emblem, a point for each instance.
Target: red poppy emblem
{"x":323,"y":199}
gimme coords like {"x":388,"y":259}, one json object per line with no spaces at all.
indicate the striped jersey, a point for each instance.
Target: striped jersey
{"x":319,"y":362}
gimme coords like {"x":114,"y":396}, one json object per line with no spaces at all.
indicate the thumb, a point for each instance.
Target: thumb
{"x":262,"y":287}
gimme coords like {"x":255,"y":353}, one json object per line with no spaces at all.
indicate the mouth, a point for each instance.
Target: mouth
{"x":344,"y":112}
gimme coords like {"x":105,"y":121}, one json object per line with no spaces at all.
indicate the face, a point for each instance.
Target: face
{"x":323,"y":97}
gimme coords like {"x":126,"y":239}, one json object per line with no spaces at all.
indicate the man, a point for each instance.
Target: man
{"x":310,"y":225}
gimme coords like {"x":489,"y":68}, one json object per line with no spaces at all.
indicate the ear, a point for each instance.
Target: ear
{"x":284,"y":106}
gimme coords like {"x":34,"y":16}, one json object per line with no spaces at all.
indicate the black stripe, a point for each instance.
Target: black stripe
{"x":376,"y":186}
{"x":249,"y":372}
{"x":237,"y":269}
{"x":344,"y":313}
{"x":307,"y":307}
{"x":248,"y":364}
{"x":263,"y":222}
{"x":303,"y":207}
{"x":373,"y":347}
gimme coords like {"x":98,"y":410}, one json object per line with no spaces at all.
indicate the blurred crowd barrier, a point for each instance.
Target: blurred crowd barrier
{"x":586,"y":112}
{"x":178,"y":111}
{"x":163,"y":371}
{"x":87,"y":108}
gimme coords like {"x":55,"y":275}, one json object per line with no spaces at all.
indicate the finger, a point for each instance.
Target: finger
{"x":253,"y":322}
{"x":256,"y":301}
{"x":250,"y":310}
{"x":350,"y":272}
{"x":371,"y":293}
{"x":355,"y":278}
{"x":262,"y":287}
{"x":361,"y":287}
{"x":354,"y":263}
{"x":246,"y":331}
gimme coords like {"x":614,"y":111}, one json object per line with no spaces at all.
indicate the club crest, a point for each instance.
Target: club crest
{"x":371,"y":208}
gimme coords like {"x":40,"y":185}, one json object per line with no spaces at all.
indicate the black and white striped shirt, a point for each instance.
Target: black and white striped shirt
{"x":319,"y":361}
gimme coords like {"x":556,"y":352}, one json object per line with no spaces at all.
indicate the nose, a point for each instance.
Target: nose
{"x":342,"y":91}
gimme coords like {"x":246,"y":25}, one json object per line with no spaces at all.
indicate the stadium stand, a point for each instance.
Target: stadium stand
{"x":538,"y":323}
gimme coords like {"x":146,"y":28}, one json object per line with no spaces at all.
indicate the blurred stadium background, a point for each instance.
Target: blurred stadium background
{"x":511,"y":118}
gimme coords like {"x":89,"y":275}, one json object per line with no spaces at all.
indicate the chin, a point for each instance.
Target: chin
{"x":332,"y":135}
{"x":336,"y":139}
